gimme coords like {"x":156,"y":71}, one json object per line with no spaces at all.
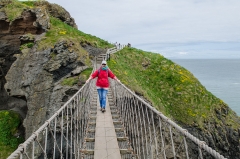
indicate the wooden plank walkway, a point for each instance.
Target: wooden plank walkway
{"x":106,"y":144}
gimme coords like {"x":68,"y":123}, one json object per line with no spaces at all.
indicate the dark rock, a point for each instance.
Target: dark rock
{"x":59,"y":12}
{"x":93,"y":51}
{"x":3,"y":16}
{"x":78,"y":70}
{"x":26,"y":38}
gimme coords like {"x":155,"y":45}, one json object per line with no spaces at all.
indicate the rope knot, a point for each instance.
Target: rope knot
{"x":201,"y":143}
{"x":23,"y":146}
{"x":36,"y":136}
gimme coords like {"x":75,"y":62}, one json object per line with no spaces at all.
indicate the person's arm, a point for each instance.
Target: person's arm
{"x":111,"y":75}
{"x":88,"y":79}
{"x":116,"y":79}
{"x":92,"y":76}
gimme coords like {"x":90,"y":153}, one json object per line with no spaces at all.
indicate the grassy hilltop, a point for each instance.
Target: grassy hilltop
{"x":171,"y":88}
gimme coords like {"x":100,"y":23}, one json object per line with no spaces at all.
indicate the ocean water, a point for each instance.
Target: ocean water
{"x":220,"y":76}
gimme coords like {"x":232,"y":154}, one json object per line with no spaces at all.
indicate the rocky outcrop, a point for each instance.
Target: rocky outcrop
{"x":35,"y":76}
{"x":30,"y":80}
{"x":93,"y":51}
{"x":11,"y":37}
{"x":59,"y":12}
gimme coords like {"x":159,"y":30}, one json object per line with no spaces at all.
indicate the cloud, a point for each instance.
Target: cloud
{"x":157,"y":21}
{"x":182,"y":53}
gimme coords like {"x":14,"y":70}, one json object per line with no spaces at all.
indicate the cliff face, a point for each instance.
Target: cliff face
{"x":30,"y":79}
{"x":9,"y":46}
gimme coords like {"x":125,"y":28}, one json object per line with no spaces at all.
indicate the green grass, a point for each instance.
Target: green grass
{"x":76,"y":79}
{"x":9,"y":123}
{"x":171,"y":88}
{"x":27,"y":45}
{"x":14,"y":9}
{"x":87,"y":72}
{"x":5,"y":151}
{"x":61,"y":31}
{"x":70,"y":81}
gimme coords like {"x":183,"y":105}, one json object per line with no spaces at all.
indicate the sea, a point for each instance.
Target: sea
{"x":219,"y":76}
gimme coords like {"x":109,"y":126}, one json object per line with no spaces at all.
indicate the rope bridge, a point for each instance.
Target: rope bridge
{"x":153,"y":135}
{"x":150,"y":134}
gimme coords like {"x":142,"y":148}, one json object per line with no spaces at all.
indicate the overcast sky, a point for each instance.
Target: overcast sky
{"x":174,"y":28}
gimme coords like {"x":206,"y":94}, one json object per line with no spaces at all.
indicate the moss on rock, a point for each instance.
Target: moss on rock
{"x":9,"y":135}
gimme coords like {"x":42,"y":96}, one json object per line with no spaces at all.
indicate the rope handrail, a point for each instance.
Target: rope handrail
{"x":151,"y":134}
{"x":65,"y":122}
{"x":122,"y":93}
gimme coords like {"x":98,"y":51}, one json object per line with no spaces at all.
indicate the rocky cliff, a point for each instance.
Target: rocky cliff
{"x":30,"y":78}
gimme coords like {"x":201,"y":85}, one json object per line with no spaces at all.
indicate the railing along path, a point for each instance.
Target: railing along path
{"x":152,"y":135}
{"x":62,"y":135}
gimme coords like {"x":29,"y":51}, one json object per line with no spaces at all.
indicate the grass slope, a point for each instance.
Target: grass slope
{"x":61,"y":31}
{"x":9,"y":123}
{"x":171,"y":88}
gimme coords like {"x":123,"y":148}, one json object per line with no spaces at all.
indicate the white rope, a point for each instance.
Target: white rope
{"x":119,"y":87}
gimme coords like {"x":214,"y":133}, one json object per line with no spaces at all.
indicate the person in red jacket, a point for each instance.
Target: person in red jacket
{"x":102,"y":83}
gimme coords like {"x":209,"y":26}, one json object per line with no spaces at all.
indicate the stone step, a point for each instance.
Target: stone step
{"x":93,"y":112}
{"x":91,"y":130}
{"x":127,"y":154}
{"x":91,"y":135}
{"x":114,"y":111}
{"x":115,"y":116}
{"x":113,"y":108}
{"x":89,"y":156}
{"x":87,"y":152}
{"x":123,"y":145}
{"x":126,"y":151}
{"x":122,"y":139}
{"x":90,"y":140}
{"x":92,"y":117}
{"x":119,"y":129}
{"x":92,"y":120}
{"x":89,"y":145}
{"x":91,"y":126}
{"x":120,"y":134}
{"x":117,"y":122}
{"x":118,"y":126}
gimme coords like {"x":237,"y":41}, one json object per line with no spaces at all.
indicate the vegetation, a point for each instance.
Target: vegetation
{"x":77,"y":79}
{"x":60,"y":31}
{"x":70,"y":81}
{"x":14,"y":8}
{"x":86,"y":73}
{"x":171,"y":88}
{"x":9,"y":124}
{"x":27,"y":45}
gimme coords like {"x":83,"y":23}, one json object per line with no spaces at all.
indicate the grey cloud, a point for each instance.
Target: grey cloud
{"x":157,"y":21}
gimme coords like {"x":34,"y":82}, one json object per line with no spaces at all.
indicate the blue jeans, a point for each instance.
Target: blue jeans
{"x":102,"y":93}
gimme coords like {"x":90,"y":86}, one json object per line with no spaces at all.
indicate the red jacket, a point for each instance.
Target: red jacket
{"x":103,"y":75}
